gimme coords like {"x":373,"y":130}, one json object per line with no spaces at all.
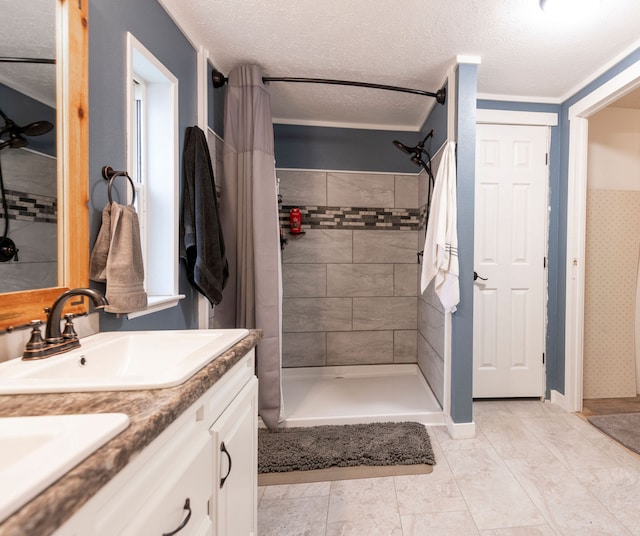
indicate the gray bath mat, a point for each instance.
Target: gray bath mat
{"x":623,"y":427}
{"x":322,"y":447}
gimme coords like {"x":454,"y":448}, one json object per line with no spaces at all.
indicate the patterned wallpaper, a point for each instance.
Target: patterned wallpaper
{"x":611,"y":272}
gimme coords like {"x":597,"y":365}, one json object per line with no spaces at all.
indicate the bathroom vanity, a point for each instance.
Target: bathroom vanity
{"x":188,"y":458}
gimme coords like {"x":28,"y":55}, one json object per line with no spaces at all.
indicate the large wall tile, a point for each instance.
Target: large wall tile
{"x":406,"y":191}
{"x":385,"y":246}
{"x":405,"y":279}
{"x":349,"y":280}
{"x":317,"y":246}
{"x":384,"y":313}
{"x":303,"y":187}
{"x":431,"y":297}
{"x":431,"y":326}
{"x":405,"y":346}
{"x":360,"y":348}
{"x":304,"y":349}
{"x":316,"y":314}
{"x":432,"y":367}
{"x":360,"y":190}
{"x":307,"y":281}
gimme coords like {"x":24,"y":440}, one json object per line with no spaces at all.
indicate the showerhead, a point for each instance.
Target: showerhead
{"x":415,"y":151}
{"x":16,"y":133}
{"x":38,"y":128}
{"x":404,"y":148}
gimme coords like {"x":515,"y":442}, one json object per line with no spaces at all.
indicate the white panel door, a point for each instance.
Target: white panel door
{"x":510,"y":245}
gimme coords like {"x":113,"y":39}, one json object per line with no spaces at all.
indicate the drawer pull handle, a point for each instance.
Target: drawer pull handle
{"x":187,"y":507}
{"x":224,"y":449}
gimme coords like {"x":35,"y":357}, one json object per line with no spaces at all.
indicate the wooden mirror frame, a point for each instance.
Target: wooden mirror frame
{"x":72,"y":74}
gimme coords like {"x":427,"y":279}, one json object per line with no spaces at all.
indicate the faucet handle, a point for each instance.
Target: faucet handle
{"x":36,"y":341}
{"x":69,"y":331}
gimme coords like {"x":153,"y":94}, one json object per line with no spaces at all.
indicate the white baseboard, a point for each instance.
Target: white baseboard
{"x":461,"y":430}
{"x":560,"y":400}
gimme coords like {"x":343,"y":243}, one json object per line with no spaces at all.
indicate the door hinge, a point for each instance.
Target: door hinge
{"x":543,"y":358}
{"x":546,"y":159}
{"x":544,"y":262}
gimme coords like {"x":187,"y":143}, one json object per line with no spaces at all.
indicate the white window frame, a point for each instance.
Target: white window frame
{"x":157,"y":190}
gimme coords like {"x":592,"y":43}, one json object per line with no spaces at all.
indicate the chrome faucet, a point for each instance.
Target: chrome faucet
{"x":54,"y":341}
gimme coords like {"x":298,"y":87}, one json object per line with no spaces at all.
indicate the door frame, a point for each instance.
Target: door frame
{"x":579,"y":114}
{"x":543,"y":119}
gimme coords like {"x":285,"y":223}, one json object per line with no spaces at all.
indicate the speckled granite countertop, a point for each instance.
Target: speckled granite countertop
{"x":150,"y":412}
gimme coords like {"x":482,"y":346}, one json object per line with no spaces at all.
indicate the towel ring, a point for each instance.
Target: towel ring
{"x":109,"y":174}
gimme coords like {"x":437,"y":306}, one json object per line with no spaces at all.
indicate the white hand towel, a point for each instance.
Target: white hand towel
{"x":440,"y":259}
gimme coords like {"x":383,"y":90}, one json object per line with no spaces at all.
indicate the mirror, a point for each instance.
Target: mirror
{"x":28,"y":174}
{"x":72,"y":149}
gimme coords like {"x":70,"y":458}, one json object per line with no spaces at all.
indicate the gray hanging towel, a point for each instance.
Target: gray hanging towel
{"x":201,"y":240}
{"x":100,"y":251}
{"x":116,"y":259}
{"x":125,"y":269}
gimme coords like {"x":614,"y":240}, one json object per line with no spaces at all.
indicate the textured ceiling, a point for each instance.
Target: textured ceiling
{"x":29,"y":33}
{"x":524,"y":53}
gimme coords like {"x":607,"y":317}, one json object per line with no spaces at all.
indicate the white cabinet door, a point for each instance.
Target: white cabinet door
{"x":235,"y":465}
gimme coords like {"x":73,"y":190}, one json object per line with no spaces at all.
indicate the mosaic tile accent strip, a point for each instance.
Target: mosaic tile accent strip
{"x":361,"y":218}
{"x":26,"y":206}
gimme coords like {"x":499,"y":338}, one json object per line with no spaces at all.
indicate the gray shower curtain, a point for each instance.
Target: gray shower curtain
{"x":249,"y":218}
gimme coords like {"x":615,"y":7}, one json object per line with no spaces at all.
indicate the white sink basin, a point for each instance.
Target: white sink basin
{"x":120,"y":361}
{"x":36,"y":451}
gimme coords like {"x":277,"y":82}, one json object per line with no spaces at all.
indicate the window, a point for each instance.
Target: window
{"x":152,"y":149}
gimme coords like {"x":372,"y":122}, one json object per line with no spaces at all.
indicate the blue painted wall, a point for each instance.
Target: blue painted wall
{"x":555,"y":269}
{"x":23,"y":110}
{"x":462,"y":319}
{"x":149,"y":23}
{"x":344,"y":149}
{"x":436,"y":121}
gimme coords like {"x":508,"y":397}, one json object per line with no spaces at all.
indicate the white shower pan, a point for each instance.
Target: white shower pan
{"x":358,"y":394}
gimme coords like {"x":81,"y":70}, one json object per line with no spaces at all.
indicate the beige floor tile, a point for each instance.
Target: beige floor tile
{"x":567,"y":444}
{"x":292,"y":517}
{"x":618,"y":490}
{"x":434,"y":492}
{"x":494,"y":496}
{"x":568,"y":506}
{"x":367,"y":499}
{"x":439,"y":524}
{"x":509,"y":436}
{"x":296,"y":491}
{"x":366,"y":527}
{"x":542,"y":530}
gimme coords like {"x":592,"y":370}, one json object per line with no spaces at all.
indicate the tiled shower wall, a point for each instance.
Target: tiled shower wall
{"x":31,"y":188}
{"x":350,"y":282}
{"x":430,"y":316}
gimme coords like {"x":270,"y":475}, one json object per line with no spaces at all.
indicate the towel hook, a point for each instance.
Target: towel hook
{"x":109,"y":174}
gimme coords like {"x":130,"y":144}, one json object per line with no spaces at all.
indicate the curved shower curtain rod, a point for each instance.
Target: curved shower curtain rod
{"x":220,"y":80}
{"x":5,"y":59}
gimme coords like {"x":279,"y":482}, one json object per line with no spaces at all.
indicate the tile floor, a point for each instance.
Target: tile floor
{"x":532,"y":469}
